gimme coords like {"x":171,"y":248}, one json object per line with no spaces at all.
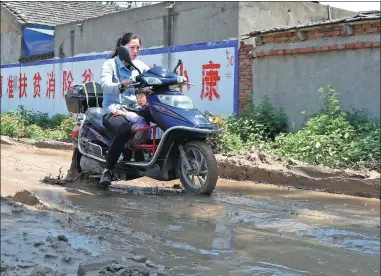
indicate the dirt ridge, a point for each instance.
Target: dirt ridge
{"x":258,"y":166}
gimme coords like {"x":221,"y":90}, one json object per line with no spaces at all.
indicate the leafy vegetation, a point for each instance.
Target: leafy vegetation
{"x":332,"y":137}
{"x":23,"y":123}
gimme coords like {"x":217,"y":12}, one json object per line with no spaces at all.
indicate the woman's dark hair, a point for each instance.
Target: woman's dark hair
{"x":123,"y":40}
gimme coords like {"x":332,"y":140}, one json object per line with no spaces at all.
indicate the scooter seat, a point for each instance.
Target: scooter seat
{"x":95,"y":117}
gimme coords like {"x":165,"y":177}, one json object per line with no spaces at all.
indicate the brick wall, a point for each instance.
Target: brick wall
{"x":291,"y":42}
{"x":322,"y":32}
{"x":332,"y":47}
{"x":245,"y":65}
{"x":346,"y":56}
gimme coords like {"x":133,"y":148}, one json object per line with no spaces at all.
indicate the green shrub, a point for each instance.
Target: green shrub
{"x":263,"y":121}
{"x":12,"y":124}
{"x":57,"y":120}
{"x":57,"y":135}
{"x":333,"y":138}
{"x":32,"y":117}
{"x":226,"y":142}
{"x":22,"y":123}
{"x":35,"y":132}
{"x":254,"y":126}
{"x":66,"y":127}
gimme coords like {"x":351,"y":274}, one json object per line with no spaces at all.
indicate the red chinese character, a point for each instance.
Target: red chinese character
{"x":184,"y":73}
{"x":230,"y":59}
{"x":87,"y":76}
{"x":22,"y":86}
{"x":210,"y":79}
{"x":37,"y":85}
{"x":51,"y":85}
{"x":67,"y":81}
{"x":10,"y":87}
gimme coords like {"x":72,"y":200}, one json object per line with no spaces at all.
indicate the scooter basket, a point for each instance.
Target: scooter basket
{"x":83,"y":96}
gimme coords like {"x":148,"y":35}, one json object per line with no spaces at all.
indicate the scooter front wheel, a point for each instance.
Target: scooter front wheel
{"x":201,"y":175}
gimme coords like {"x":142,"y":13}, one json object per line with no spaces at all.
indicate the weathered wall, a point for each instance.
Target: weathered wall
{"x":10,"y":47}
{"x":188,"y":22}
{"x":100,"y":34}
{"x":7,"y":24}
{"x":10,"y":39}
{"x":266,"y":15}
{"x":291,"y":73}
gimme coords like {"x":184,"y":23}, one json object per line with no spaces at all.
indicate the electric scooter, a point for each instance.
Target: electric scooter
{"x":180,"y":153}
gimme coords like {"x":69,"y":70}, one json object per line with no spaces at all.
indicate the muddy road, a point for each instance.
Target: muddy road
{"x":242,"y":229}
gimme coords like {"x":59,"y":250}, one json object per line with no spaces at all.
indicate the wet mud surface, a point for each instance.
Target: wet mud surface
{"x":256,"y":165}
{"x":144,"y":226}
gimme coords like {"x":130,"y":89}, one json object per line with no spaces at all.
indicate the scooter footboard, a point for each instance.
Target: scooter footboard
{"x":177,"y":134}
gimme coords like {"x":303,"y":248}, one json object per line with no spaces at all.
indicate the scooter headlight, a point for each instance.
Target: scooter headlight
{"x":179,"y":101}
{"x":153,"y":81}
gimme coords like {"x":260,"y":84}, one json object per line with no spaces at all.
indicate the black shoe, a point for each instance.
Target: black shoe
{"x":106,"y":178}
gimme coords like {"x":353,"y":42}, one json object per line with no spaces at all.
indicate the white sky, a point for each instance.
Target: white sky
{"x":354,"y":6}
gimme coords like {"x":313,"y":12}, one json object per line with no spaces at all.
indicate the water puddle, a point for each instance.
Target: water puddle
{"x":229,"y":233}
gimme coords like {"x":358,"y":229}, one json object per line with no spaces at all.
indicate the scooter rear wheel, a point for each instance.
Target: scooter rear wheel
{"x":202,"y":177}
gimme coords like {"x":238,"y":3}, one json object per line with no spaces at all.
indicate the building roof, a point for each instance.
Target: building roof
{"x":362,"y":16}
{"x":56,"y":13}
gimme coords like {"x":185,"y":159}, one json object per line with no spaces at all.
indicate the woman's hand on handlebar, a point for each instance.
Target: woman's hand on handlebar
{"x":127,"y":83}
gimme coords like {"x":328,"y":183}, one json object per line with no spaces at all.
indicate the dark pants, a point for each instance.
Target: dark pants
{"x":121,"y":128}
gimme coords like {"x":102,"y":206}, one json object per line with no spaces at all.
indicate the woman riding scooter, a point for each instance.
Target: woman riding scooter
{"x":116,"y":84}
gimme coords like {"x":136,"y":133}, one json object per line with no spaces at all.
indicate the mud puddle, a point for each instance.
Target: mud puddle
{"x":242,"y":229}
{"x":37,"y":242}
{"x":230,"y":233}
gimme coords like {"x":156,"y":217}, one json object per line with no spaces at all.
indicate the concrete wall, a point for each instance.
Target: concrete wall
{"x":10,"y":39}
{"x":292,"y":81}
{"x":10,"y":47}
{"x":188,"y":22}
{"x":266,"y":15}
{"x":7,"y":24}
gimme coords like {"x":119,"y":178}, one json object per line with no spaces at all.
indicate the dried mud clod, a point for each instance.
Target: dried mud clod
{"x":26,"y":197}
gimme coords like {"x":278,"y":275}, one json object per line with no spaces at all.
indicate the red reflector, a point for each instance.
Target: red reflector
{"x":75,"y":133}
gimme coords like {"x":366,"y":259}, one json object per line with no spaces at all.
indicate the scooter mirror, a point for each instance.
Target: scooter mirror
{"x":124,"y":56}
{"x":177,"y":66}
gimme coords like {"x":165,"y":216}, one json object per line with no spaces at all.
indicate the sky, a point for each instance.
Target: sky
{"x":354,"y":6}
